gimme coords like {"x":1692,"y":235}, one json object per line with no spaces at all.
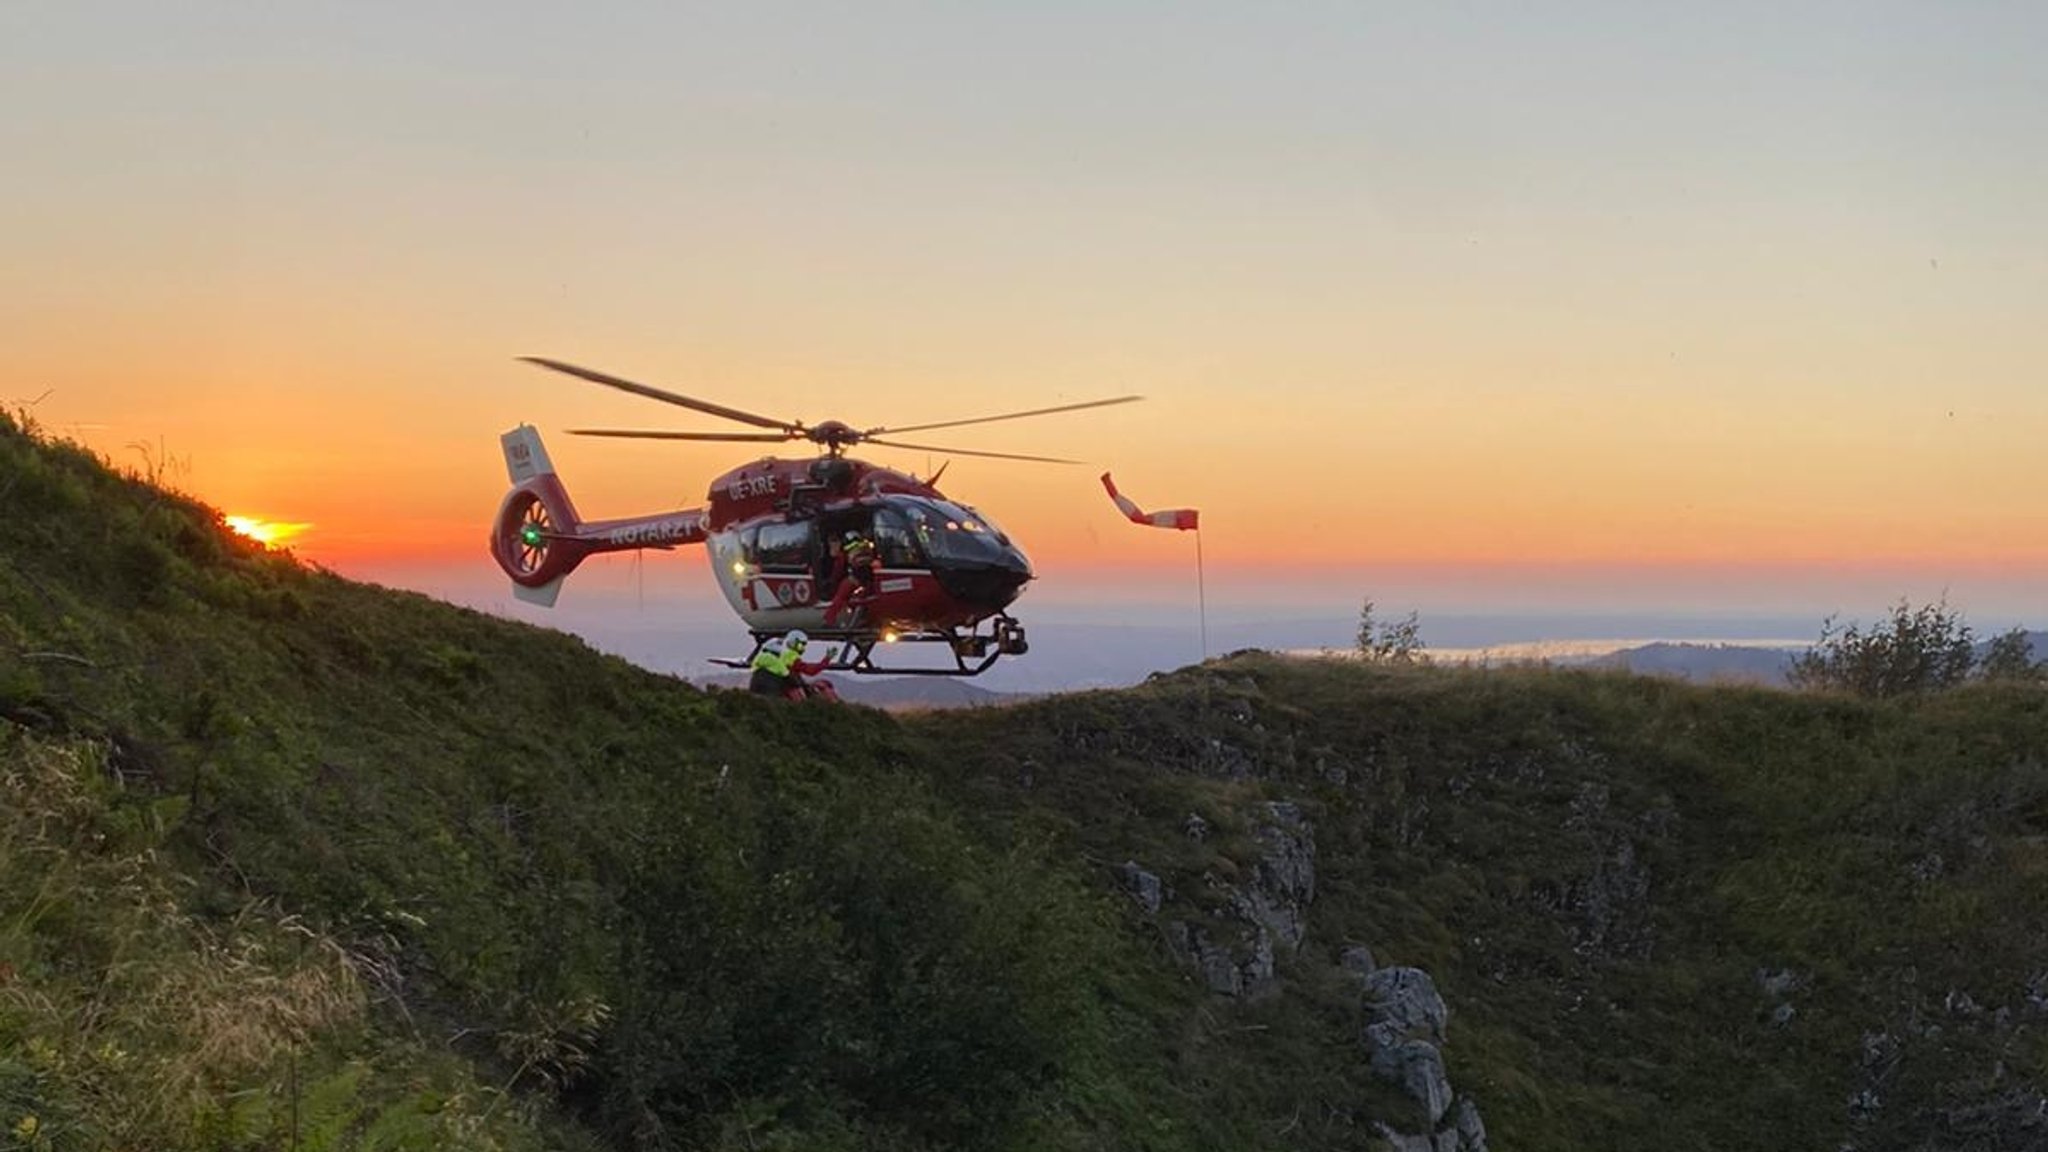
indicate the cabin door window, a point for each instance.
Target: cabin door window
{"x":786,"y":547}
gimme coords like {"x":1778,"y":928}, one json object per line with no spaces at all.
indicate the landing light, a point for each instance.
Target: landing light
{"x":889,"y":637}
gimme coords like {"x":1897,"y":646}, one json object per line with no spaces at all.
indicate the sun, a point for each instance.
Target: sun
{"x":269,"y":533}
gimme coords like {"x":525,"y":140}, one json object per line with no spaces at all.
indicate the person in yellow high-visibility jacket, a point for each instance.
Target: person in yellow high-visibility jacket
{"x":855,"y":568}
{"x":779,"y":669}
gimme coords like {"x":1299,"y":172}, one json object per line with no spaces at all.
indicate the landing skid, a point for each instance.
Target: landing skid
{"x":973,"y":651}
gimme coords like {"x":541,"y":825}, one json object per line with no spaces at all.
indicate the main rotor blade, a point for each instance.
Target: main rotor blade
{"x":637,"y":434}
{"x":652,"y":393}
{"x":969,"y":452}
{"x":1010,"y":416}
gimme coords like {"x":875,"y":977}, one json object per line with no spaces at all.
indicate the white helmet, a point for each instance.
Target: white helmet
{"x":795,"y":639}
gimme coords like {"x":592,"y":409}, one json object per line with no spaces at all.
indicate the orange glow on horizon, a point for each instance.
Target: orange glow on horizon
{"x":269,"y":533}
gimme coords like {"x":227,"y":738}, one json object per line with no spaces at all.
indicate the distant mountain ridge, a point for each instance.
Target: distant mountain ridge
{"x":1711,"y":663}
{"x":1704,"y":663}
{"x":1742,"y":664}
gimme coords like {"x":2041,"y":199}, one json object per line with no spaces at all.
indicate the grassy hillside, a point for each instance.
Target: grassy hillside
{"x":290,"y":861}
{"x":676,"y":919}
{"x":1663,"y":916}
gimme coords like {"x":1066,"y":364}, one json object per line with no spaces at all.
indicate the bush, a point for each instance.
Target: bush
{"x":2010,"y":659}
{"x":1922,"y":649}
{"x":1381,"y":643}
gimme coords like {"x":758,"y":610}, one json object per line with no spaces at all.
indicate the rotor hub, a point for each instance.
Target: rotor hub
{"x":834,"y":435}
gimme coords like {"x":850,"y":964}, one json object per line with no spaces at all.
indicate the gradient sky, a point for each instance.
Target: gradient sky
{"x":1585,"y":300}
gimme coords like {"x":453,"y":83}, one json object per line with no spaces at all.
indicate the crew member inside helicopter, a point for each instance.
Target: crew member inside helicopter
{"x":779,"y":669}
{"x":831,"y":567}
{"x":854,"y":567}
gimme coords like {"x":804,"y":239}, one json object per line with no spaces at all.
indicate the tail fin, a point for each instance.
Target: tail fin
{"x":534,"y":522}
{"x":526,"y":458}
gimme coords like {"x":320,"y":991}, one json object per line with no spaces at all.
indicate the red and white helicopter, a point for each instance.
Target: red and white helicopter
{"x":943,"y":569}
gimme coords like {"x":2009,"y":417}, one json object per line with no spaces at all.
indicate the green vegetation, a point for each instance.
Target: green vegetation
{"x":665,"y":918}
{"x":1397,"y":643}
{"x":291,"y":862}
{"x":127,"y":1020}
{"x":1916,"y":650}
{"x":2009,"y":659}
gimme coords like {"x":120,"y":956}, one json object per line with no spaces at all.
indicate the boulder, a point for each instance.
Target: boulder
{"x":1418,"y":1067}
{"x":1143,"y":886}
{"x":1405,"y":1002}
{"x":1358,"y":961}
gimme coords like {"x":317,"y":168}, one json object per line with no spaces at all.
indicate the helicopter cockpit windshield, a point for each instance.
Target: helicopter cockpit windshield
{"x":944,"y":533}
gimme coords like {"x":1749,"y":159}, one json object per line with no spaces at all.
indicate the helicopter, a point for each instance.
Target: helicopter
{"x":944,"y":573}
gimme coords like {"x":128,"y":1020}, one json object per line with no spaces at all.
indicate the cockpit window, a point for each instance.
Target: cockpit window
{"x":895,"y":541}
{"x":944,"y":530}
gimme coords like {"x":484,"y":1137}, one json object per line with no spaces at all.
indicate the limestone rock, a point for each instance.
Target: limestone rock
{"x":1471,"y":1129}
{"x":1219,"y":967}
{"x":1269,"y":907}
{"x":1287,"y":864}
{"x":1418,"y":1067}
{"x":1404,"y":1002}
{"x":1143,"y":886}
{"x":1405,"y":1025}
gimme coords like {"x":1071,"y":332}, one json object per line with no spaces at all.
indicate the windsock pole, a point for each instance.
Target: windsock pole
{"x":1182,"y":519}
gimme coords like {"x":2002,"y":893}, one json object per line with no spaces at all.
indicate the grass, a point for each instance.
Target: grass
{"x":289,"y":855}
{"x":1596,"y":868}
{"x":128,"y":1021}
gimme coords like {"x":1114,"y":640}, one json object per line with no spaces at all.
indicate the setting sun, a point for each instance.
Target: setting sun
{"x":269,"y":533}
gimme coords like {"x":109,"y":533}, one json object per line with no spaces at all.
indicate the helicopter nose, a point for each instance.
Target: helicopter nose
{"x":991,"y":583}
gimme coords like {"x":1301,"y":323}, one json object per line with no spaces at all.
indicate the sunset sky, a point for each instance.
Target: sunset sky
{"x":1643,"y":303}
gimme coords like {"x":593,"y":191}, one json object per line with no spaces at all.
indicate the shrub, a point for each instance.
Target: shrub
{"x":1382,"y":643}
{"x":2010,"y":659}
{"x":1917,"y":650}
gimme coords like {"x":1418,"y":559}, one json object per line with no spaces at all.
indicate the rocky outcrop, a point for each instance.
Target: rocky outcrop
{"x":1405,"y":1028}
{"x":1256,"y":919}
{"x":1143,"y":886}
{"x":1267,"y":913}
{"x":1606,"y":911}
{"x":1264,"y":915}
{"x":1284,"y":879}
{"x":1234,"y":968}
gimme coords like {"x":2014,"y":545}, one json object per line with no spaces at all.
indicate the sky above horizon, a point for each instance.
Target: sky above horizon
{"x":1596,"y":300}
